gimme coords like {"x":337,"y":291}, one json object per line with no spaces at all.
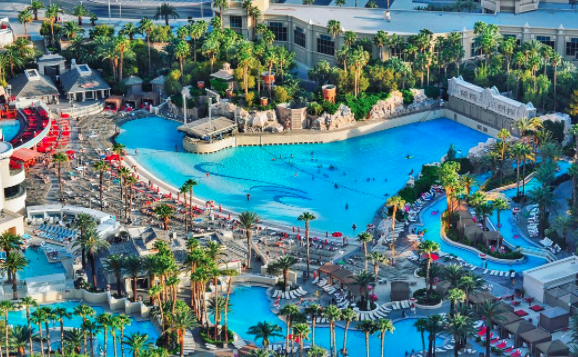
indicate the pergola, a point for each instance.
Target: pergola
{"x":533,"y":337}
{"x":334,"y":271}
{"x":517,"y":328}
{"x":553,"y":348}
{"x":26,"y":156}
{"x":504,"y":319}
{"x":400,"y":290}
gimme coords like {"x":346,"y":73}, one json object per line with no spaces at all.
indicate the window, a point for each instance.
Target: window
{"x":325,"y":45}
{"x":278,"y":30}
{"x":299,"y":37}
{"x":545,"y":40}
{"x":236,"y":22}
{"x":514,"y":37}
{"x":397,"y":51}
{"x":572,"y":47}
{"x":475,"y":51}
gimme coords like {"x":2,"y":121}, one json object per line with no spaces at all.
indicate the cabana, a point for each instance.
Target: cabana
{"x":517,"y":328}
{"x":26,"y":156}
{"x":153,"y":98}
{"x":554,"y":319}
{"x":133,"y":84}
{"x":504,"y":319}
{"x":113,"y":103}
{"x":553,"y":348}
{"x":134,"y":101}
{"x":480,"y":297}
{"x":535,"y":336}
{"x":400,"y":290}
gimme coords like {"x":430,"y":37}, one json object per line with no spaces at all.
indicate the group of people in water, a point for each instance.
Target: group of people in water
{"x":419,"y":232}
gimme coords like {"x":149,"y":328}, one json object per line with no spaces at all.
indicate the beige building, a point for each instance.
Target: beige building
{"x":303,"y":28}
{"x":12,"y":193}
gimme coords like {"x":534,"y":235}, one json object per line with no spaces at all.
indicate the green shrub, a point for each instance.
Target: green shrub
{"x":362,"y":105}
{"x":429,"y":176}
{"x":426,"y":297}
{"x":219,"y":86}
{"x":250,"y":98}
{"x":315,"y":109}
{"x":432,"y":92}
{"x":281,"y":95}
{"x":465,"y":165}
{"x":407,"y":96}
{"x":329,"y":107}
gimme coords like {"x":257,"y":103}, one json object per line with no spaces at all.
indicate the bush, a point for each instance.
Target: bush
{"x":557,"y":129}
{"x":429,"y":176}
{"x":465,"y":165}
{"x":315,"y":109}
{"x":329,"y":107}
{"x":250,"y":98}
{"x":362,"y":105}
{"x":219,"y":86}
{"x":407,"y":96}
{"x":426,"y":297}
{"x":205,"y":333}
{"x":280,"y":94}
{"x":432,"y":92}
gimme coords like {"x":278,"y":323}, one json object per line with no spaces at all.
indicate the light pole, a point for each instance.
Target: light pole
{"x":109,"y":17}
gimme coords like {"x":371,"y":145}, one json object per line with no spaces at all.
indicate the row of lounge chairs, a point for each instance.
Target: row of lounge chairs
{"x":56,"y":233}
{"x":505,"y":274}
{"x":419,"y":203}
{"x":291,"y":294}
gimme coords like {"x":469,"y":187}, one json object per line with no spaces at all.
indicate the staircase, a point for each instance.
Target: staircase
{"x":189,"y":344}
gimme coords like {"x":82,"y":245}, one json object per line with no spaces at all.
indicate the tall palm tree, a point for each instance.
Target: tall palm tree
{"x":14,"y":263}
{"x":314,"y":310}
{"x":20,"y":335}
{"x":49,"y":316}
{"x":37,"y":317}
{"x":197,"y":31}
{"x":455,"y":295}
{"x":183,"y":191}
{"x":35,"y":6}
{"x":130,"y":30}
{"x":222,"y":5}
{"x":384,"y":326}
{"x":332,"y":313}
{"x":348,"y":315}
{"x":289,"y":312}
{"x":380,"y":40}
{"x":301,"y":331}
{"x":60,"y":158}
{"x":334,"y":29}
{"x":52,"y":13}
{"x":61,"y":314}
{"x":265,"y":331}
{"x":84,"y":311}
{"x":181,"y":321}
{"x":573,"y":172}
{"x":166,"y":11}
{"x":130,"y":181}
{"x":307,"y":218}
{"x":490,"y":310}
{"x":101,"y":166}
{"x":357,"y":60}
{"x":164,"y":212}
{"x":79,"y":11}
{"x":364,"y":238}
{"x":91,"y":328}
{"x":460,"y":327}
{"x":282,"y":265}
{"x":191,"y":184}
{"x":105,"y":321}
{"x":5,"y":307}
{"x":28,"y":302}
{"x":543,"y":196}
{"x":25,"y":17}
{"x":182,"y":51}
{"x":248,"y":221}
{"x":114,"y":264}
{"x":114,"y":325}
{"x":561,"y":225}
{"x":376,"y":258}
{"x":132,"y":266}
{"x":123,"y":46}
{"x":147,"y":26}
{"x":368,"y":327}
{"x":93,"y":244}
{"x":83,"y":222}
{"x":427,"y":248}
{"x":521,"y":152}
{"x":500,"y":204}
{"x":122,"y":321}
{"x":397,"y":203}
{"x":434,"y":325}
{"x":137,"y":342}
{"x":8,"y":243}
{"x":230,"y":273}
{"x":421,"y":324}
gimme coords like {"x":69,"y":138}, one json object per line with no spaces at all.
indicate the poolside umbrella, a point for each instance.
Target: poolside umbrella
{"x":293,"y":229}
{"x":337,"y":234}
{"x":433,"y":256}
{"x":70,"y":152}
{"x":298,"y":230}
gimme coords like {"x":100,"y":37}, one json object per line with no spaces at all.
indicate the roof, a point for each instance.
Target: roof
{"x":399,"y":286}
{"x":342,"y":273}
{"x":507,"y":318}
{"x":225,"y":73}
{"x":480,"y":296}
{"x":519,"y":327}
{"x":132,"y":80}
{"x":328,"y":268}
{"x":82,"y":79}
{"x":150,"y":95}
{"x":553,"y":271}
{"x":363,"y":20}
{"x":32,"y":84}
{"x":114,"y":99}
{"x":25,"y":155}
{"x":149,"y":234}
{"x":53,"y":57}
{"x":554,"y":312}
{"x":551,"y":347}
{"x":160,"y":80}
{"x":536,"y":335}
{"x":202,"y":128}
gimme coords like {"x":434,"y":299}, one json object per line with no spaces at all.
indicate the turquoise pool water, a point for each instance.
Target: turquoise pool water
{"x":9,"y":129}
{"x":19,"y":318}
{"x":367,"y":168}
{"x":240,"y":321}
{"x":39,"y":265}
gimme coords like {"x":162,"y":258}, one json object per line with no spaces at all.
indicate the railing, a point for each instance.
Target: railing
{"x":82,"y":111}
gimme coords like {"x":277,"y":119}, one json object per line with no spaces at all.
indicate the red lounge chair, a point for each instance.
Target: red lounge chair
{"x":508,"y":350}
{"x":518,"y":353}
{"x":482,"y":331}
{"x":502,"y":345}
{"x":495,"y":340}
{"x":536,"y":308}
{"x":521,"y":313}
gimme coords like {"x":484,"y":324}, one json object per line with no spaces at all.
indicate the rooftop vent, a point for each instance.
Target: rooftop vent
{"x":32,"y":74}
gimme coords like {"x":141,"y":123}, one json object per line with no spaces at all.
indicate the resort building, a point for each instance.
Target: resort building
{"x":6,"y":33}
{"x":82,"y":83}
{"x":303,"y":29}
{"x":52,"y":65}
{"x":33,"y":85}
{"x":146,"y":237}
{"x":12,"y":194}
{"x":554,"y":281}
{"x":486,"y":105}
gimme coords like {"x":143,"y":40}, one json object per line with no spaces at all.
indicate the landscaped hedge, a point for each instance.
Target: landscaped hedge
{"x":426,"y":297}
{"x":429,"y":176}
{"x":361,"y":106}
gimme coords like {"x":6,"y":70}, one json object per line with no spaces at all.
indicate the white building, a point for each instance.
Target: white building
{"x":12,"y":193}
{"x":561,"y":273}
{"x":6,"y":33}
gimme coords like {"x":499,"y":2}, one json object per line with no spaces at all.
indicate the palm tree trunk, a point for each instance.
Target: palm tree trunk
{"x":249,"y":248}
{"x":101,"y":201}
{"x":367,"y":344}
{"x":149,"y":50}
{"x":226,"y":307}
{"x":394,"y":213}
{"x":41,"y":340}
{"x":307,"y":248}
{"x":344,"y":350}
{"x":47,"y":327}
{"x":382,"y":342}
{"x":134,"y":278}
{"x":114,"y":342}
{"x":121,"y":344}
{"x":29,"y":328}
{"x":93,"y":268}
{"x":62,"y":336}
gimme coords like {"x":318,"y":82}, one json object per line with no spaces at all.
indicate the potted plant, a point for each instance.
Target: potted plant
{"x":200,"y":84}
{"x":264,"y":101}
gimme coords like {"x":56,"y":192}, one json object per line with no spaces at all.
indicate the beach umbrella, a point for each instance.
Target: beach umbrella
{"x":434,"y":256}
{"x":70,"y":152}
{"x":337,"y":234}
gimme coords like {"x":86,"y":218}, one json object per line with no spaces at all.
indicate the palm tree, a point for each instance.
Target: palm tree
{"x":544,"y":198}
{"x":368,"y":327}
{"x":25,"y":17}
{"x":93,"y":244}
{"x":20,"y":335}
{"x":147,"y":26}
{"x":137,"y":342}
{"x":289,"y":312}
{"x":421,"y":324}
{"x":79,"y":11}
{"x":573,"y":172}
{"x":556,"y":61}
{"x":123,"y":46}
{"x":197,"y":31}
{"x":35,"y":6}
{"x":380,"y":40}
{"x":332,"y":313}
{"x":122,"y":321}
{"x":490,"y":311}
{"x":347,"y":315}
{"x":460,"y":327}
{"x":73,"y":339}
{"x":377,"y":258}
{"x":182,"y":51}
{"x":561,"y":225}
{"x":357,"y":60}
{"x":49,"y":316}
{"x":221,"y":4}
{"x":433,"y":324}
{"x":301,"y":331}
{"x":248,"y":220}
{"x":265,"y":331}
{"x":307,"y":217}
{"x":93,"y":19}
{"x":500,"y":204}
{"x":83,"y":222}
{"x":61,"y":314}
{"x":28,"y":302}
{"x":5,"y":307}
{"x":181,"y":321}
{"x":521,"y":152}
{"x":211,"y":48}
{"x":364,"y":279}
{"x":130,"y":30}
{"x":37,"y":317}
{"x":101,"y":166}
{"x":164,"y":212}
{"x":364,"y":238}
{"x":455,"y":295}
{"x":14,"y":263}
{"x":52,"y":13}
{"x":384,"y":326}
{"x":84,"y":311}
{"x":114,"y":325}
{"x":334,"y":28}
{"x":8,"y":243}
{"x":114,"y":264}
{"x":166,"y":11}
{"x":60,"y":158}
{"x":132,"y":266}
{"x":282,"y":265}
{"x":427,"y":248}
{"x":191,"y":184}
{"x":314,"y":310}
{"x":396,"y":202}
{"x":91,"y":328}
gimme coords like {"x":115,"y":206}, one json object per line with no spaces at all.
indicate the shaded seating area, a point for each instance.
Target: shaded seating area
{"x":554,"y":319}
{"x":534,"y":337}
{"x":132,"y":102}
{"x":34,"y":121}
{"x":150,"y":98}
{"x":400,"y":291}
{"x":58,"y":136}
{"x":480,"y":297}
{"x":23,"y":158}
{"x":113,"y":103}
{"x":517,"y":328}
{"x":504,"y":319}
{"x":554,"y":348}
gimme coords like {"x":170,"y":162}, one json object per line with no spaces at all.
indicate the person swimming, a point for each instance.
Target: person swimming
{"x":346,"y":206}
{"x":336,"y":186}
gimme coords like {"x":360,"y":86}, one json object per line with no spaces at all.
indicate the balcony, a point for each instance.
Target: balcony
{"x":16,"y":177}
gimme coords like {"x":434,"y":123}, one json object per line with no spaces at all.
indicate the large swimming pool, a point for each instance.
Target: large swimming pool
{"x":365,"y":170}
{"x":240,"y":321}
{"x":39,"y":265}
{"x":19,"y":318}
